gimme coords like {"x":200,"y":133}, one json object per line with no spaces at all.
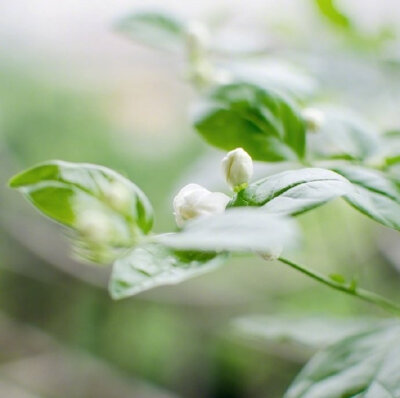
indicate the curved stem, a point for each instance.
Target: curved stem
{"x":346,"y":288}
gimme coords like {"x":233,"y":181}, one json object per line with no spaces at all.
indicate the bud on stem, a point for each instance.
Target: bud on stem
{"x":237,"y":166}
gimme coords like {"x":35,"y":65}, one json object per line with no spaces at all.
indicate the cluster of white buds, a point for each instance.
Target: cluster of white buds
{"x":194,"y":201}
{"x":314,"y":119}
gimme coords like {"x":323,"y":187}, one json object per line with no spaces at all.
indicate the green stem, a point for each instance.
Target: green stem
{"x":346,"y":288}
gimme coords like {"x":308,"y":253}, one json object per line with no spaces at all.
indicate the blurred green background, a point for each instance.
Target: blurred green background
{"x":71,"y":88}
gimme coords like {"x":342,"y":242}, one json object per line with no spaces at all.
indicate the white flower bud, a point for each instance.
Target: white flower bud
{"x":94,"y":226}
{"x":314,"y":118}
{"x":194,"y":201}
{"x":118,"y":196}
{"x":237,"y":166}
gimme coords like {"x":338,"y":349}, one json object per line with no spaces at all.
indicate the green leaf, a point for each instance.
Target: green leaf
{"x":314,"y":332}
{"x":152,"y":264}
{"x":343,"y":135}
{"x":156,"y":29}
{"x":265,"y":123}
{"x":239,"y":230}
{"x":294,"y":192}
{"x":376,"y":196}
{"x":115,"y":209}
{"x":366,"y":365}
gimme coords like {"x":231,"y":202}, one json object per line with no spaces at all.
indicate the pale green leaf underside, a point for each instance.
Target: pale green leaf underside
{"x":151,"y":265}
{"x":366,"y":365}
{"x":343,"y":135}
{"x":238,"y":230}
{"x":314,"y":332}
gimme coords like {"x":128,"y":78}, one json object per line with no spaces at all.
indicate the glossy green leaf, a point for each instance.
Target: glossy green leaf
{"x":152,"y":264}
{"x":314,"y":332}
{"x":238,"y":230}
{"x":114,"y":209}
{"x":265,"y":123}
{"x":156,"y":29}
{"x":377,"y":196}
{"x":343,"y":135}
{"x":295,"y":191}
{"x":366,"y":365}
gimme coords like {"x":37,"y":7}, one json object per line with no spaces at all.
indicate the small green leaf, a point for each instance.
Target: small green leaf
{"x":152,"y":264}
{"x":294,"y":192}
{"x":366,"y":365}
{"x":343,"y":135}
{"x":265,"y":123}
{"x":376,"y":196}
{"x":238,"y":230}
{"x":89,"y":200}
{"x":153,"y":28}
{"x":338,"y":278}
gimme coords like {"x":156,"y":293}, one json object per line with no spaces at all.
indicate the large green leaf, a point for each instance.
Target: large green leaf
{"x":70,"y":192}
{"x":311,"y":332}
{"x":239,"y":230}
{"x":343,"y":135}
{"x":295,"y":191}
{"x":265,"y":123}
{"x":152,"y":264}
{"x":153,"y":28}
{"x":366,"y":365}
{"x":377,"y":196}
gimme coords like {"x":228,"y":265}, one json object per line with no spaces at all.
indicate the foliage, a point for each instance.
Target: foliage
{"x":338,"y":155}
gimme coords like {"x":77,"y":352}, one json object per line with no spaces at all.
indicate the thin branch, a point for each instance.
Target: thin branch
{"x":346,"y":288}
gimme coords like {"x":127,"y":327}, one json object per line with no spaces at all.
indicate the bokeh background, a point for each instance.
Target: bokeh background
{"x":73,"y":88}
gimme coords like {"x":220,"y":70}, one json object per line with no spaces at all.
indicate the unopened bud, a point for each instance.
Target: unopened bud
{"x":94,"y":226}
{"x":237,"y":166}
{"x":314,"y":119}
{"x":194,"y":201}
{"x":118,"y":196}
